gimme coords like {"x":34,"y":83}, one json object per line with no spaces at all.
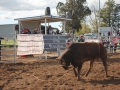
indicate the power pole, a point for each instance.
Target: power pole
{"x":99,"y":22}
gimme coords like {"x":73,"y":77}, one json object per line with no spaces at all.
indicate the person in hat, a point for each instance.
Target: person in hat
{"x":35,"y":31}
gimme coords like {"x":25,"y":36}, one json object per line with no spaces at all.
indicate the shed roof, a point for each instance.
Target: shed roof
{"x":41,"y":19}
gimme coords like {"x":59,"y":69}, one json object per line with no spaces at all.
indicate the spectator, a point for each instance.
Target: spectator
{"x":118,"y":32}
{"x":69,"y":41}
{"x":81,"y":39}
{"x":49,"y":30}
{"x":35,"y":31}
{"x":100,"y":33}
{"x":113,"y":44}
{"x":26,"y":31}
{"x":57,"y":32}
{"x":105,"y":43}
{"x":115,"y":41}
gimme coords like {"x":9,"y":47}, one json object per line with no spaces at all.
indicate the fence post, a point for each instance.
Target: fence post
{"x":46,"y":55}
{"x":58,"y":47}
{"x":0,"y":50}
{"x":15,"y":47}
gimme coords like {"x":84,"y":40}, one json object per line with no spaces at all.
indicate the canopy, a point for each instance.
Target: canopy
{"x":49,"y":18}
{"x":41,"y":19}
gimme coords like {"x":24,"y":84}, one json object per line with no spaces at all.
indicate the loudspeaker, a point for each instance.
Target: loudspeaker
{"x":47,"y":11}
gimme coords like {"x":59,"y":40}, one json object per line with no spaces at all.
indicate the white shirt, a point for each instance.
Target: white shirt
{"x":50,"y":31}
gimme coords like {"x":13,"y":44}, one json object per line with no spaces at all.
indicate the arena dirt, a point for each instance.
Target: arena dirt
{"x":34,"y":74}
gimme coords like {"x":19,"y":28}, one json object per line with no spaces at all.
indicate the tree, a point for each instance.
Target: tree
{"x":85,"y":29}
{"x":115,"y":22}
{"x":93,"y":18}
{"x":106,"y":12}
{"x":110,"y":14}
{"x":77,"y":10}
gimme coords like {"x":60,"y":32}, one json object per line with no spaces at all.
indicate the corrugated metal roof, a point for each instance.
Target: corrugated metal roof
{"x":41,"y":19}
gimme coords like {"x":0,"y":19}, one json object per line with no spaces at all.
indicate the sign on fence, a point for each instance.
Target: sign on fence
{"x":30,"y":44}
{"x":54,"y":42}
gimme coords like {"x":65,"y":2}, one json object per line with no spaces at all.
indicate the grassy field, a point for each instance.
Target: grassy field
{"x":7,"y":42}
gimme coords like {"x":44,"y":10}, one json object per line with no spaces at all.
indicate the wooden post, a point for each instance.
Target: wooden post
{"x":0,"y":50}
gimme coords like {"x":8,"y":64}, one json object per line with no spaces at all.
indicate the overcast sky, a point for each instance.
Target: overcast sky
{"x":12,"y":9}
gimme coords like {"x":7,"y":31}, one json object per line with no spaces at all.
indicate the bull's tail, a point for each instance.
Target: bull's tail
{"x":103,"y":52}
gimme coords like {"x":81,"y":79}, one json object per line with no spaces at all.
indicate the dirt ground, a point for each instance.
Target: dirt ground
{"x":34,"y":74}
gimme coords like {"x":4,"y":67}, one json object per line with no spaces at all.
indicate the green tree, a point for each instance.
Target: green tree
{"x":78,"y":10}
{"x":115,"y":22}
{"x":85,"y":29}
{"x":111,"y":14}
{"x":106,"y":12}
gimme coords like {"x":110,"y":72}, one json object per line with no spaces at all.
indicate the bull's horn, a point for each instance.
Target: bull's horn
{"x":57,"y":59}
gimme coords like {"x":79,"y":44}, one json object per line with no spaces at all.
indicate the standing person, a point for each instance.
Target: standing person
{"x":69,"y":41}
{"x":113,"y":44}
{"x":57,"y":32}
{"x":49,"y":30}
{"x":117,"y":32}
{"x":35,"y":31}
{"x":100,"y":33}
{"x":81,"y":39}
{"x":115,"y":41}
{"x":105,"y":43}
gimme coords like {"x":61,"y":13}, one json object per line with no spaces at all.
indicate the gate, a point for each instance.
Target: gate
{"x":8,"y":48}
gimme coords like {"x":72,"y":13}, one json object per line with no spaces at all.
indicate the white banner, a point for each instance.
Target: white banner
{"x":92,"y":40}
{"x":30,"y":44}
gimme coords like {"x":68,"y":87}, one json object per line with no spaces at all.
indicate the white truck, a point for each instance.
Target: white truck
{"x":104,"y":31}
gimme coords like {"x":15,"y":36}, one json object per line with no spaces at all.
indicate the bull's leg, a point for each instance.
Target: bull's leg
{"x":75,"y":72}
{"x":105,"y":66}
{"x":91,"y":65}
{"x":79,"y":69}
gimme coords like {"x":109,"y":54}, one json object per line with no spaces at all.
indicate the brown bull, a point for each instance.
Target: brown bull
{"x":78,"y":53}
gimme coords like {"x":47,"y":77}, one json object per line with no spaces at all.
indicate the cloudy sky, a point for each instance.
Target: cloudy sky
{"x":12,"y":9}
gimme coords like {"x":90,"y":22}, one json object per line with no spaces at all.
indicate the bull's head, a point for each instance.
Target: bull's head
{"x":63,"y":63}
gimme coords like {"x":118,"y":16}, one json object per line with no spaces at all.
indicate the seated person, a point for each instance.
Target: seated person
{"x":57,"y":32}
{"x":49,"y":30}
{"x":26,"y":31}
{"x":35,"y":31}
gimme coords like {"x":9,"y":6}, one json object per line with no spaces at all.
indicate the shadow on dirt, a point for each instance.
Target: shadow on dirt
{"x":110,"y":80}
{"x":41,"y":62}
{"x":113,"y":60}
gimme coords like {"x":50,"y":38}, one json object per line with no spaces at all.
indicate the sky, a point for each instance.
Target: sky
{"x":12,"y":9}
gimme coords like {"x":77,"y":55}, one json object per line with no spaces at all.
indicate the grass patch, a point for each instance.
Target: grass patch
{"x":9,"y":43}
